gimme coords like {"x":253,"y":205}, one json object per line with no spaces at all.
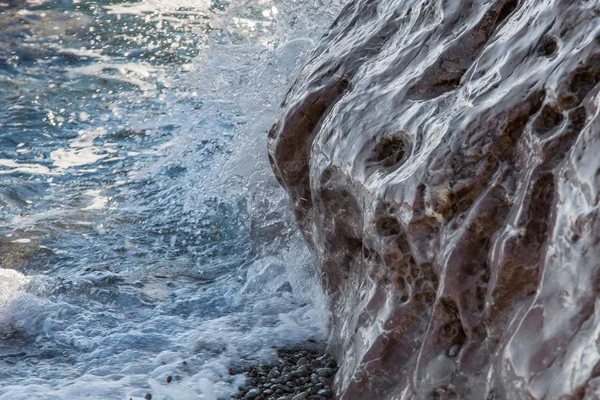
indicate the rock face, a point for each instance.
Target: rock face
{"x":443,"y":160}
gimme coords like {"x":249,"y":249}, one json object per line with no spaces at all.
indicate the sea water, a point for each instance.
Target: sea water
{"x":142,"y":235}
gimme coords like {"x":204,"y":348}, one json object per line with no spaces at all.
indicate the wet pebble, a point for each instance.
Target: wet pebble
{"x":325,"y":372}
{"x":302,"y":361}
{"x":252,"y":394}
{"x":299,"y":375}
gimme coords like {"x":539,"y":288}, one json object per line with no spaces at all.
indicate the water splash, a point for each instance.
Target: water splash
{"x":138,"y":202}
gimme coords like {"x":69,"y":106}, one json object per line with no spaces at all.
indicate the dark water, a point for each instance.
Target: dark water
{"x":141,"y":233}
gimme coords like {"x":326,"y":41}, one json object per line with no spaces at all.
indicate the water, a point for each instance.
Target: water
{"x":141,"y":232}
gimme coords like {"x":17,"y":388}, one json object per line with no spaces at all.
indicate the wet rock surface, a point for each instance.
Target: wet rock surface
{"x":298,"y":375}
{"x":443,"y":161}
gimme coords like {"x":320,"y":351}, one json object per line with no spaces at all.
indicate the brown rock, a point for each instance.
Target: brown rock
{"x":443,"y":161}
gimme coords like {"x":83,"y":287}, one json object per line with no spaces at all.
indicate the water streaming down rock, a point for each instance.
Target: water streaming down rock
{"x":442,"y":161}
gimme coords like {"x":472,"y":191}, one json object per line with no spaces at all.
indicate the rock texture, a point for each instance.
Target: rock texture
{"x":443,"y":160}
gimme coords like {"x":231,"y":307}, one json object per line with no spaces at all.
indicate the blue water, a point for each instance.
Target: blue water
{"x":141,"y":232}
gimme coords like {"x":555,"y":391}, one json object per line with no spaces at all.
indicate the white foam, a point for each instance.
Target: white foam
{"x":11,"y":282}
{"x":23,"y":167}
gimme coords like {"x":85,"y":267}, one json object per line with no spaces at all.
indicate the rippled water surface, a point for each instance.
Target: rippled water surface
{"x":141,"y":233}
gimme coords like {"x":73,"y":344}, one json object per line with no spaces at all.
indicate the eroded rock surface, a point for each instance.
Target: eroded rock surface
{"x":443,"y":160}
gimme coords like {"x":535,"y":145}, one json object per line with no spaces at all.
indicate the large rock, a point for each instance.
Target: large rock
{"x":443,"y":160}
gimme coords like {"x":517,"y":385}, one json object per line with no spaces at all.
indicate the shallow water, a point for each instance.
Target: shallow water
{"x":141,"y":232}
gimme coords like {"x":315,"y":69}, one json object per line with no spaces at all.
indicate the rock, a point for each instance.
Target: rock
{"x":325,"y":393}
{"x":267,"y":392}
{"x":313,"y":390}
{"x":301,"y":396}
{"x":442,"y":161}
{"x":325,"y":381}
{"x":301,"y":372}
{"x":302,"y":361}
{"x":148,"y":396}
{"x":169,"y":379}
{"x":274,"y":373}
{"x":252,"y":393}
{"x":284,"y":388}
{"x":314,"y":379}
{"x":325,"y":372}
{"x":293,"y":359}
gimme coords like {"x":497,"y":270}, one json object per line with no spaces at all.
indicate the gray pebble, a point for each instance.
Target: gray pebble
{"x":301,"y":371}
{"x":293,"y":359}
{"x":274,"y":373}
{"x":284,"y":388}
{"x":302,"y":361}
{"x":313,"y":390}
{"x":326,"y":372}
{"x":267,"y":392}
{"x":325,"y":381}
{"x":325,"y":393}
{"x":301,"y":396}
{"x":252,"y":393}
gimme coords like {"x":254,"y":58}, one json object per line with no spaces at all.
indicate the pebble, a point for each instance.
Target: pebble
{"x":252,"y":393}
{"x":285,"y":388}
{"x":274,"y":374}
{"x":300,"y":375}
{"x":302,"y":361}
{"x":313,"y":390}
{"x":325,"y":372}
{"x":301,"y":371}
{"x":325,"y":381}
